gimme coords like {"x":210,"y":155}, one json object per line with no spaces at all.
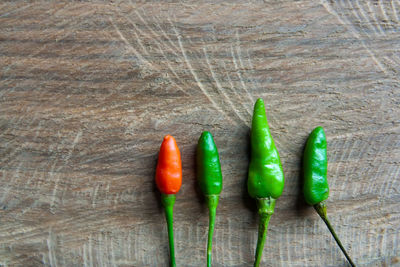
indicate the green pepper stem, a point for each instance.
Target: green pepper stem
{"x":168,"y":202}
{"x":265,"y":210}
{"x":262,"y":236}
{"x":212,"y":203}
{"x":321,"y":210}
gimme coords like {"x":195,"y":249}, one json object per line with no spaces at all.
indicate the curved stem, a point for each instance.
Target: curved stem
{"x":212,"y":202}
{"x":168,"y":202}
{"x":321,"y":210}
{"x":265,"y":209}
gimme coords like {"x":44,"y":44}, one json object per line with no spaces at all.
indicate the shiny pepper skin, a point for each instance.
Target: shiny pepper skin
{"x":208,"y":166}
{"x":315,"y":165}
{"x":315,"y":188}
{"x":265,"y":178}
{"x":209,"y":176}
{"x":169,"y":167}
{"x":169,"y":180}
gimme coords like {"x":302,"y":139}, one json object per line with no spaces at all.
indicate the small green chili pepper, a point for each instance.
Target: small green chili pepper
{"x":316,"y":189}
{"x":315,"y":167}
{"x":265,"y":179}
{"x":210,"y":180}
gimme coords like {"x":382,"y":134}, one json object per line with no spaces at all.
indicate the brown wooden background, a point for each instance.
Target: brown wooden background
{"x":88,"y":90}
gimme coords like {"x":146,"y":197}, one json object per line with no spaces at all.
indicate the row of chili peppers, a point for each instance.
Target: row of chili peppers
{"x":265,"y":178}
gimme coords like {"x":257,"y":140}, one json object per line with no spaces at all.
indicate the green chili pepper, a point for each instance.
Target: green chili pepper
{"x":210,"y":180}
{"x":315,"y":167}
{"x":265,"y":179}
{"x":316,"y":189}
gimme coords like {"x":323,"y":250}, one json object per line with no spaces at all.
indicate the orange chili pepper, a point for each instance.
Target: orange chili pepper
{"x":169,"y":180}
{"x":169,"y":167}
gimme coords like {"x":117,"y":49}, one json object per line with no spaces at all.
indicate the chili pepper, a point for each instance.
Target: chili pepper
{"x":316,"y":189}
{"x":315,"y":166}
{"x":169,"y":180}
{"x":210,"y":179}
{"x":265,"y":179}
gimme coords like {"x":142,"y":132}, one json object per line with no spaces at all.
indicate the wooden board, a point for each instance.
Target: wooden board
{"x":88,"y":90}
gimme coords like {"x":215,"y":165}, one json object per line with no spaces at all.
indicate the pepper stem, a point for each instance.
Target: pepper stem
{"x":321,"y":210}
{"x":212,"y":203}
{"x":168,"y":201}
{"x":265,"y":210}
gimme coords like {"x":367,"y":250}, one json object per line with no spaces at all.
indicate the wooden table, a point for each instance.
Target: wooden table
{"x":88,"y":90}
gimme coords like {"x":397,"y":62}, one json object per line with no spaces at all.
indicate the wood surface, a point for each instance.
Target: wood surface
{"x":89,"y":89}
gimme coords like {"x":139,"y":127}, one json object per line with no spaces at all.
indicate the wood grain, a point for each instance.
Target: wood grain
{"x":88,"y":90}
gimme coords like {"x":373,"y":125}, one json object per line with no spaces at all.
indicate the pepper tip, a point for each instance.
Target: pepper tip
{"x":319,"y":130}
{"x":259,"y":107}
{"x":260,"y":101}
{"x":205,"y":134}
{"x":168,"y":137}
{"x":206,"y":137}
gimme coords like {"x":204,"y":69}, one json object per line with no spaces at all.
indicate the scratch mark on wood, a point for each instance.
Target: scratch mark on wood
{"x":394,"y":180}
{"x":6,"y":187}
{"x":96,"y":189}
{"x":90,"y":251}
{"x":51,"y":249}
{"x":155,"y":37}
{"x":74,"y":143}
{"x":131,"y":48}
{"x":368,"y":22}
{"x":383,"y":10}
{"x":129,"y":246}
{"x":221,"y":91}
{"x":85,"y":256}
{"x":375,"y":20}
{"x":172,"y":70}
{"x":351,"y":28}
{"x":242,"y":66}
{"x":239,"y":74}
{"x":392,"y":3}
{"x":158,"y":44}
{"x":382,"y":148}
{"x":364,"y":19}
{"x":113,"y":262}
{"x":138,"y":39}
{"x":172,"y":44}
{"x":66,"y":159}
{"x":12,"y":12}
{"x":191,"y":69}
{"x":233,"y":89}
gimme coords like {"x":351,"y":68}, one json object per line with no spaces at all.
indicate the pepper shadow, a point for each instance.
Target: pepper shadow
{"x":199,"y":194}
{"x":159,"y":235}
{"x":302,"y":207}
{"x":156,"y":192}
{"x":249,"y":202}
